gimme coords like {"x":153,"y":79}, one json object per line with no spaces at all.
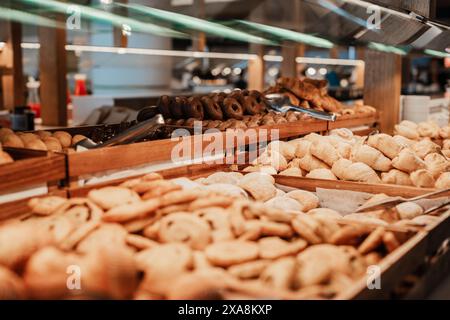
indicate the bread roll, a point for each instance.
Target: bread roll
{"x":302,"y":148}
{"x":386,"y":144}
{"x":307,"y":200}
{"x":36,"y":145}
{"x":346,"y":170}
{"x":325,"y":151}
{"x":446,"y":144}
{"x":424,"y":147}
{"x":422,"y":179}
{"x":258,"y":168}
{"x":343,"y":133}
{"x":409,"y":124}
{"x":395,"y":176}
{"x":5,"y":132}
{"x":28,"y":137}
{"x":428,"y":129}
{"x":403,"y":141}
{"x":5,"y":158}
{"x":443,"y":181}
{"x":43,"y":134}
{"x":325,"y":174}
{"x":52,"y":144}
{"x":12,"y":141}
{"x":309,"y":163}
{"x":406,"y":132}
{"x":273,"y":159}
{"x":408,"y":161}
{"x":409,"y":210}
{"x":444,"y":132}
{"x":343,"y":147}
{"x":63,"y":137}
{"x":77,"y":138}
{"x":293,"y":171}
{"x":371,"y":156}
{"x":284,"y":148}
{"x":284,"y":203}
{"x":436,"y":164}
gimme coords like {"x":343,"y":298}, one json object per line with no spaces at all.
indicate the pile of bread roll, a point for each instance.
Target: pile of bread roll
{"x":4,"y":156}
{"x":40,"y":140}
{"x":378,"y":158}
{"x":417,"y":131}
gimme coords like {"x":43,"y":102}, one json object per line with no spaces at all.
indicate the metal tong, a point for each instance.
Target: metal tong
{"x":137,"y":132}
{"x":281,"y":103}
{"x":393,"y":201}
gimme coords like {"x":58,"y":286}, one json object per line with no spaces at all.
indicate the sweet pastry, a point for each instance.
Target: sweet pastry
{"x":306,"y":199}
{"x":346,"y":170}
{"x":409,"y":210}
{"x":408,"y":161}
{"x":386,"y":144}
{"x":293,"y":171}
{"x":193,"y":108}
{"x":428,"y":129}
{"x":130,"y":209}
{"x":444,"y":132}
{"x":12,"y":141}
{"x":371,"y":156}
{"x":164,"y":104}
{"x":309,"y":163}
{"x":425,"y":147}
{"x":35,"y":145}
{"x":286,"y":149}
{"x":406,"y":131}
{"x":443,"y":181}
{"x":52,"y":144}
{"x":395,"y":176}
{"x":284,"y":203}
{"x":212,"y":109}
{"x":279,"y":275}
{"x":232,"y":109}
{"x":28,"y":137}
{"x":325,"y":174}
{"x":436,"y":164}
{"x":47,"y":205}
{"x":228,"y":253}
{"x":325,"y":151}
{"x":5,"y":157}
{"x":422,"y":178}
{"x":271,"y":158}
{"x":110,"y":197}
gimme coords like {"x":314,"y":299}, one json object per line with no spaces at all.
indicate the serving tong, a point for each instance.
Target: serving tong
{"x":281,"y":103}
{"x":130,"y":135}
{"x":394,"y":201}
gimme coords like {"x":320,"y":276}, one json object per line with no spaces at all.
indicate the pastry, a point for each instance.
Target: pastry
{"x":286,"y":149}
{"x":273,"y":159}
{"x":212,"y":109}
{"x":232,"y":109}
{"x":326,"y":174}
{"x":386,"y":144}
{"x":406,"y":131}
{"x":52,"y":144}
{"x":284,"y":203}
{"x":279,"y":274}
{"x":422,"y":178}
{"x":252,"y":106}
{"x":408,"y":161}
{"x":443,"y":181}
{"x":248,"y":270}
{"x":295,"y":172}
{"x":228,"y":253}
{"x":193,"y":108}
{"x":309,"y":163}
{"x":307,"y":200}
{"x":395,"y":176}
{"x":5,"y":157}
{"x":428,"y":129}
{"x":409,"y":210}
{"x":35,"y":145}
{"x":274,"y":247}
{"x":28,"y":137}
{"x":346,"y":170}
{"x":164,"y":103}
{"x":110,"y":197}
{"x":325,"y":152}
{"x":425,"y":147}
{"x":436,"y":164}
{"x":444,"y":132}
{"x":46,"y":205}
{"x":131,"y":210}
{"x":12,"y":141}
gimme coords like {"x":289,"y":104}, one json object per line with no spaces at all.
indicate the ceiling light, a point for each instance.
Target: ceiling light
{"x":272,"y":58}
{"x":328,"y":61}
{"x":322,"y":71}
{"x":237,"y":71}
{"x":226,"y":71}
{"x":311,"y":71}
{"x":439,"y":54}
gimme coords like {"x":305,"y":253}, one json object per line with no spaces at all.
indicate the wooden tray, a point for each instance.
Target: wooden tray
{"x":352,"y":121}
{"x":30,"y":168}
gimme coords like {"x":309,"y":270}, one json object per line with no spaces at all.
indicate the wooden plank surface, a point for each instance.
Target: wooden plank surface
{"x":350,"y":122}
{"x":29,"y":172}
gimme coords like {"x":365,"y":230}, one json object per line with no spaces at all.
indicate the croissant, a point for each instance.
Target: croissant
{"x":309,"y":163}
{"x":406,"y":131}
{"x":372,"y":157}
{"x":343,"y":147}
{"x":343,"y":133}
{"x":443,"y":181}
{"x":293,"y":171}
{"x":386,"y":144}
{"x":271,"y":158}
{"x":446,"y":144}
{"x":408,"y":161}
{"x":395,"y":176}
{"x":424,"y":147}
{"x":302,"y":148}
{"x":403,"y":141}
{"x":436,"y":164}
{"x":285,"y":149}
{"x":422,"y":179}
{"x":325,"y":151}
{"x":428,"y":129}
{"x":409,"y":124}
{"x":325,"y":174}
{"x":346,"y":170}
{"x":444,"y":132}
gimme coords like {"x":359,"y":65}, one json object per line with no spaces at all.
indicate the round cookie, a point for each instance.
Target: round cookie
{"x":228,"y":253}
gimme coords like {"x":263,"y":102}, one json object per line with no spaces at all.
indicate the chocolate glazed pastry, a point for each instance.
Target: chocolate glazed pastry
{"x":212,"y":108}
{"x":177,"y":107}
{"x":252,"y":106}
{"x":163,"y":104}
{"x":238,"y":96}
{"x":232,"y":109}
{"x":194,"y":108}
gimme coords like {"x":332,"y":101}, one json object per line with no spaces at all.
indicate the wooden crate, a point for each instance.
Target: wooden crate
{"x":353,"y":121}
{"x":31,"y":168}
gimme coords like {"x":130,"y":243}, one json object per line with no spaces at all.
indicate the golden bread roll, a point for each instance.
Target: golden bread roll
{"x":386,"y":144}
{"x":371,"y":156}
{"x":5,"y":132}
{"x":436,"y":164}
{"x":77,"y":138}
{"x":443,"y":181}
{"x":408,"y":161}
{"x":52,"y":144}
{"x":36,"y":145}
{"x":424,"y":147}
{"x":444,"y":132}
{"x":63,"y":137}
{"x":43,"y":134}
{"x":12,"y":141}
{"x":5,"y":158}
{"x":395,"y":176}
{"x":325,"y":174}
{"x":28,"y":137}
{"x":325,"y":151}
{"x":422,"y":179}
{"x":406,"y":132}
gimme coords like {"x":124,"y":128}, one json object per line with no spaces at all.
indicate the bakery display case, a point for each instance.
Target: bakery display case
{"x":223,"y":150}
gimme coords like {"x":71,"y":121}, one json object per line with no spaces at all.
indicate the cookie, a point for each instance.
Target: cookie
{"x":46,"y":205}
{"x":177,"y":197}
{"x":228,"y":253}
{"x":248,"y":270}
{"x":215,"y":201}
{"x":390,"y":241}
{"x":280,"y":274}
{"x":185,"y":228}
{"x":159,"y":188}
{"x":140,"y":242}
{"x":307,"y":228}
{"x":274,"y":247}
{"x":110,"y":197}
{"x":127,"y":212}
{"x":349,"y":235}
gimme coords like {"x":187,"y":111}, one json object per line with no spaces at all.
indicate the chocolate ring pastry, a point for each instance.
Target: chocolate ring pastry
{"x":177,"y":106}
{"x":232,"y":108}
{"x":252,"y":106}
{"x":194,"y":108}
{"x":212,"y":108}
{"x":238,"y":96}
{"x":163,"y":105}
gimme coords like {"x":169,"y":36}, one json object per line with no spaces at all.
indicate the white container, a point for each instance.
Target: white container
{"x":415,"y":108}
